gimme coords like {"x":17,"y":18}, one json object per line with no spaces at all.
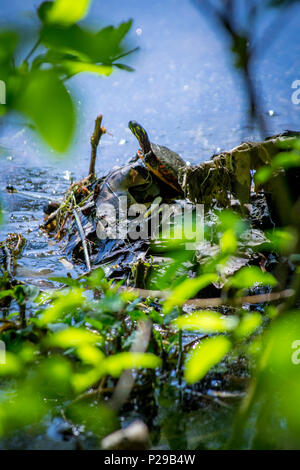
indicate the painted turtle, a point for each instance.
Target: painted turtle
{"x":163,"y":162}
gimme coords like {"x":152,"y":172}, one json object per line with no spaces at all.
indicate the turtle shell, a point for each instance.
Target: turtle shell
{"x":165,"y":164}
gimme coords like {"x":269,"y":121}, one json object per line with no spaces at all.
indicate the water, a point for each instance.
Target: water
{"x":184,"y":91}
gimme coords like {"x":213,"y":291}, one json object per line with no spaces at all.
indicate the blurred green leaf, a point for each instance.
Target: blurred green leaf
{"x":96,"y":418}
{"x":73,"y":337}
{"x":67,"y":12}
{"x":229,"y":220}
{"x":282,"y":240}
{"x":248,"y":277}
{"x":187,"y":289}
{"x":66,"y":302}
{"x":248,"y":324}
{"x":100,"y":47}
{"x":263,"y":174}
{"x":46,"y":101}
{"x":207,"y":322}
{"x":74,"y":67}
{"x":206,"y":355}
{"x":90,"y":354}
{"x":114,"y":365}
{"x":12,"y":365}
{"x":24,"y":408}
{"x":228,"y":242}
{"x":8,"y":44}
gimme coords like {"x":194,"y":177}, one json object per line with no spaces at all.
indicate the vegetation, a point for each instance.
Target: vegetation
{"x":66,"y":357}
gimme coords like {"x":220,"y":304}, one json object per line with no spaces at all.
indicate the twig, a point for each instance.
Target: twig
{"x":209,"y":302}
{"x":126,"y":381}
{"x":36,"y":45}
{"x":217,"y":301}
{"x":83,"y":240}
{"x":95,"y":139}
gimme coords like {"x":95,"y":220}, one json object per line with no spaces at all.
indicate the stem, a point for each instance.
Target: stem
{"x":36,"y":45}
{"x":95,"y":139}
{"x":22,"y":308}
{"x":83,"y":240}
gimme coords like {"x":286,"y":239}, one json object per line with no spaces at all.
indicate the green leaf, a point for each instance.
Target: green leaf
{"x":46,"y":101}
{"x":114,"y":365}
{"x":8,"y":43}
{"x":206,"y":321}
{"x":263,"y":174}
{"x":68,"y":281}
{"x":67,"y":302}
{"x":73,"y":337}
{"x":124,"y":67}
{"x":187,"y":289}
{"x":6,"y":293}
{"x":229,"y":220}
{"x":248,"y":277}
{"x":74,"y":67}
{"x":286,"y":160}
{"x":12,"y":365}
{"x":67,"y":12}
{"x":90,"y":355}
{"x":206,"y":355}
{"x":100,"y":47}
{"x":248,"y":324}
{"x":283,"y":240}
{"x":228,"y":242}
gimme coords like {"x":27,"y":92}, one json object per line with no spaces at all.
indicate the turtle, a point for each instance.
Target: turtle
{"x":163,"y":162}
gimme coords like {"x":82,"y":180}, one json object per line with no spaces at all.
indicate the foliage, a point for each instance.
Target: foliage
{"x":37,"y":83}
{"x":66,"y":348}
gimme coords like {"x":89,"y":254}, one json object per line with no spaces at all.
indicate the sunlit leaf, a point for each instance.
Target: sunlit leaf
{"x":283,"y":240}
{"x":73,"y":337}
{"x":206,"y":355}
{"x":46,"y":101}
{"x":11,"y":366}
{"x":114,"y":365}
{"x":90,"y":354}
{"x":286,"y":160}
{"x":228,"y":242}
{"x":206,"y":321}
{"x":72,"y":68}
{"x":187,"y":289}
{"x":248,"y":324}
{"x":248,"y":277}
{"x":263,"y":174}
{"x":67,"y":302}
{"x":82,"y":381}
{"x":67,"y":12}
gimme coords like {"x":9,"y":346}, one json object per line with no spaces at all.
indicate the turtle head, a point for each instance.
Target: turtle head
{"x":141,"y":136}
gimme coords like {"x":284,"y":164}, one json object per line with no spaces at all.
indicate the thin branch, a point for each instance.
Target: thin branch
{"x":126,"y":381}
{"x":83,"y":240}
{"x":36,"y":45}
{"x":95,"y":139}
